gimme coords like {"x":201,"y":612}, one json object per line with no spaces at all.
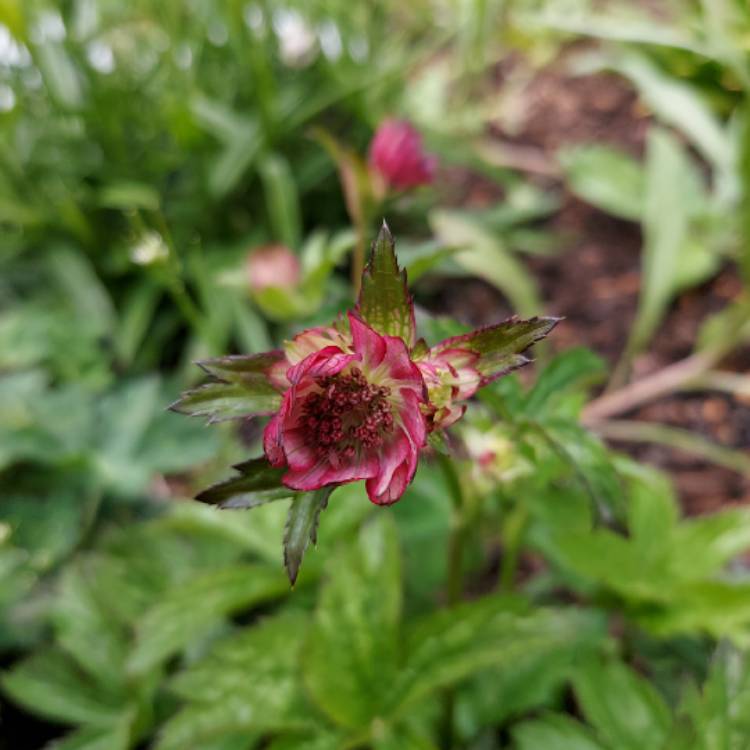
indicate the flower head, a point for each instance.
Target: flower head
{"x":396,"y":153}
{"x":351,"y":411}
{"x":353,"y":401}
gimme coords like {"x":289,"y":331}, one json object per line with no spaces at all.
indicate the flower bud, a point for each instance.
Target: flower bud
{"x":396,"y":154}
{"x":273,"y":266}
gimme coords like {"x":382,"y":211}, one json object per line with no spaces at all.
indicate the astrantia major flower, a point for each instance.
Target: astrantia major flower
{"x":353,"y":401}
{"x":352,"y":410}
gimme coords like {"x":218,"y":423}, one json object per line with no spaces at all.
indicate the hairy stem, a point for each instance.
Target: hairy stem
{"x":454,"y":580}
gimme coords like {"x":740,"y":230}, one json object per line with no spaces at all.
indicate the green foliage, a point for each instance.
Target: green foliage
{"x":146,"y":149}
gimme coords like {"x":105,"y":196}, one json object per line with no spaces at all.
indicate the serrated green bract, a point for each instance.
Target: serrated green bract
{"x":500,"y":346}
{"x":257,"y":484}
{"x":302,"y":527}
{"x":384,"y":300}
{"x":242,"y":368}
{"x":221,"y":401}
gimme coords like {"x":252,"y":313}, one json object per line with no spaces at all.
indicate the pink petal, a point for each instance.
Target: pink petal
{"x":299,"y":456}
{"x":272,"y":442}
{"x":312,"y":340}
{"x":412,"y":419}
{"x":310,"y":479}
{"x":360,"y":467}
{"x":323,"y":363}
{"x":396,"y":453}
{"x":369,"y":344}
{"x":398,"y":484}
{"x":400,"y":365}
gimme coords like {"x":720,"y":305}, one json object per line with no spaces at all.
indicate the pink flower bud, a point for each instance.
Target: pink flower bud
{"x":396,"y":153}
{"x":273,"y":266}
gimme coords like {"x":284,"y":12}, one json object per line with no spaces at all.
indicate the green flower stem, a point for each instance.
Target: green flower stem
{"x":457,"y":538}
{"x":513,"y":531}
{"x":454,"y":579}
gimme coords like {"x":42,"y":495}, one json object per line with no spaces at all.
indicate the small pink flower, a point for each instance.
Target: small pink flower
{"x":450,"y":376}
{"x":352,"y":411}
{"x":396,"y":153}
{"x":273,"y":266}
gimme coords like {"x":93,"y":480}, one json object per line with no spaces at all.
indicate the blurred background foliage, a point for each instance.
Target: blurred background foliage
{"x":145,"y":149}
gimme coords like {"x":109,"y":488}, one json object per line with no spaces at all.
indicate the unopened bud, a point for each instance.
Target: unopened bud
{"x":273,"y":266}
{"x":396,"y":153}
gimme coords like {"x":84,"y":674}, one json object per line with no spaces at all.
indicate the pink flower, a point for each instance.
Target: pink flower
{"x":355,"y":401}
{"x":352,"y":411}
{"x":273,"y":266}
{"x":396,"y":154}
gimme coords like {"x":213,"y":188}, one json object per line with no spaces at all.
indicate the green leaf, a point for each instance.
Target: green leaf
{"x":282,"y":200}
{"x":221,"y":401}
{"x":384,"y":300}
{"x":554,"y":732}
{"x":665,"y":226}
{"x":500,"y":346}
{"x":575,"y":368}
{"x":248,"y":682}
{"x":90,"y":738}
{"x":483,"y":253}
{"x":625,"y":709}
{"x":187,"y":611}
{"x":258,"y":483}
{"x":716,"y":717}
{"x":453,"y":644}
{"x":245,"y":369}
{"x":349,"y":659}
{"x":678,"y":104}
{"x":536,"y":681}
{"x":302,"y":526}
{"x":49,"y":684}
{"x":86,"y":631}
{"x":129,"y":195}
{"x":608,"y":179}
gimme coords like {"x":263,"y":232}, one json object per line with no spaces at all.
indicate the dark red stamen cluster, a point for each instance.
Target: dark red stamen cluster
{"x":347,"y":413}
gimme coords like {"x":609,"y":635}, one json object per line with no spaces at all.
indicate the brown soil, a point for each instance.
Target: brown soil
{"x":595,"y":282}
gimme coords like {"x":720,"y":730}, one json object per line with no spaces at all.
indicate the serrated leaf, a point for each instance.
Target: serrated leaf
{"x":221,"y":401}
{"x":88,"y":633}
{"x":89,"y":738}
{"x":301,"y":527}
{"x":248,"y":682}
{"x":554,"y":732}
{"x":451,"y":645}
{"x":269,"y":650}
{"x":349,"y":659}
{"x":187,"y":611}
{"x":575,"y":368}
{"x":624,"y":707}
{"x":384,"y":300}
{"x":500,"y":346}
{"x":49,"y":684}
{"x":258,"y":483}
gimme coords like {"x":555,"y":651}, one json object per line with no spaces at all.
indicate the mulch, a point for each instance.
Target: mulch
{"x":594,"y":282}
